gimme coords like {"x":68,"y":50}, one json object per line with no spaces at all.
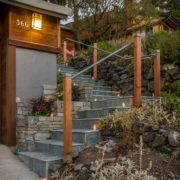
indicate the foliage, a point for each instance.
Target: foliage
{"x":171,"y":97}
{"x":42,"y":106}
{"x":124,"y":169}
{"x":152,"y":114}
{"x":76,"y":90}
{"x":106,"y":19}
{"x":168,"y":43}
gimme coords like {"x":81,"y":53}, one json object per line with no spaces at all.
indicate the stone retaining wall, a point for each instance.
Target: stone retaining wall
{"x":154,"y":136}
{"x":31,"y":128}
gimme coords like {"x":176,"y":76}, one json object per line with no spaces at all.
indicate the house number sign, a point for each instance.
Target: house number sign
{"x":22,"y":23}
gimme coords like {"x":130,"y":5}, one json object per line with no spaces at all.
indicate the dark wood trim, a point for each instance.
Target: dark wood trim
{"x":34,"y":46}
{"x":11,"y":96}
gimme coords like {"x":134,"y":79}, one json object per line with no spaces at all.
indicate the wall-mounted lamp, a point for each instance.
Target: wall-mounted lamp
{"x":36,"y":21}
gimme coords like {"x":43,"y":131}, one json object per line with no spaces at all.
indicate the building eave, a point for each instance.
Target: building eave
{"x":41,"y":7}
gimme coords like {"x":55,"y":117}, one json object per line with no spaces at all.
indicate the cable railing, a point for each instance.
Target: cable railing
{"x":103,"y":59}
{"x":137,"y":84}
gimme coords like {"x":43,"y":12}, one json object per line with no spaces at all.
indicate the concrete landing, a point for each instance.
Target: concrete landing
{"x":11,"y":168}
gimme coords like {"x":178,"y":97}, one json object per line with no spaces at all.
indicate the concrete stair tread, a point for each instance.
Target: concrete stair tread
{"x":41,"y":156}
{"x":57,"y":142}
{"x":79,"y":130}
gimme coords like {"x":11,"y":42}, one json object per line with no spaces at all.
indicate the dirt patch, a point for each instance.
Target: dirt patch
{"x":162,"y":166}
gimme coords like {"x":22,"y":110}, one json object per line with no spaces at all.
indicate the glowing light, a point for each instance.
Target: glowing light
{"x":123,"y":105}
{"x":94,"y":127}
{"x":36,"y":21}
{"x":52,"y":115}
{"x":95,"y":99}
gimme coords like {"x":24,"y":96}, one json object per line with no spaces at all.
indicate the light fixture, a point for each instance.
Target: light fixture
{"x":36,"y":21}
{"x":94,"y":127}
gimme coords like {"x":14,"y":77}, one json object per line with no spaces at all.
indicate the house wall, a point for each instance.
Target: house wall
{"x":33,"y":70}
{"x":68,"y":34}
{"x":22,"y":34}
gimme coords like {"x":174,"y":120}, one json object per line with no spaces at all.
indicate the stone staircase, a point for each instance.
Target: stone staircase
{"x":103,"y":102}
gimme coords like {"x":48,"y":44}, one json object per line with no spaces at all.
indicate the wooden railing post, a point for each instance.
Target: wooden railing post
{"x":94,"y":61}
{"x":67,"y":116}
{"x":157,"y":75}
{"x":137,"y":71}
{"x":64,"y":51}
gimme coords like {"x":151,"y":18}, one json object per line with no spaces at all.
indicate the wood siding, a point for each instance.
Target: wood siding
{"x":22,"y":34}
{"x":68,"y":34}
{"x":13,"y":35}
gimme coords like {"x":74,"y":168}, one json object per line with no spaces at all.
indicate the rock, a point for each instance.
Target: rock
{"x":155,"y":127}
{"x":148,"y":137}
{"x":177,"y":77}
{"x":124,"y":76}
{"x":115,"y":77}
{"x":174,"y":138}
{"x":159,"y":140}
{"x":173,"y":71}
{"x":140,"y":128}
{"x":166,"y":149}
{"x":78,"y":167}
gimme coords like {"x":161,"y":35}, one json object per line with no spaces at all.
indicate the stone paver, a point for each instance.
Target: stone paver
{"x":11,"y":168}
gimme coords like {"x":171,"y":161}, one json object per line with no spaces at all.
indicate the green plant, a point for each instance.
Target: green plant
{"x":76,"y":90}
{"x":42,"y":106}
{"x":168,"y":43}
{"x":123,"y":121}
{"x":124,"y":169}
{"x":172,"y":103}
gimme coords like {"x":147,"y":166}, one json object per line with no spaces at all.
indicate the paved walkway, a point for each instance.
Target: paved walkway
{"x":11,"y":168}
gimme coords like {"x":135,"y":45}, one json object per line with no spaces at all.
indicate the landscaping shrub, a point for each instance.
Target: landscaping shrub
{"x":42,"y":106}
{"x":76,"y":90}
{"x":123,"y":121}
{"x":171,"y":97}
{"x":168,"y":43}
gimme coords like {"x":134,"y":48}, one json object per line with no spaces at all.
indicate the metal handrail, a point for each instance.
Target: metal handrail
{"x":105,"y":51}
{"x":103,"y":59}
{"x":99,"y":49}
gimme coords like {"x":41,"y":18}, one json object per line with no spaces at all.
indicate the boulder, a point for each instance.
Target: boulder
{"x":140,"y":128}
{"x":148,"y":137}
{"x":174,"y":138}
{"x":123,"y":76}
{"x":159,"y":140}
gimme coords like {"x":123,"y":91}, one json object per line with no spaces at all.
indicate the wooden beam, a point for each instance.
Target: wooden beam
{"x":157,"y":75}
{"x":59,"y":33}
{"x":67,"y":116}
{"x":137,"y":71}
{"x":10,"y":97}
{"x":94,"y":61}
{"x":65,"y":55}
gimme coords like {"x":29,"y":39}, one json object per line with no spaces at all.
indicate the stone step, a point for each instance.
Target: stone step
{"x":87,"y":137}
{"x":86,"y":123}
{"x":101,"y":97}
{"x":40,"y":162}
{"x":55,"y":147}
{"x":86,"y":83}
{"x":114,"y":102}
{"x":96,"y":113}
{"x":103,"y":88}
{"x":103,"y":92}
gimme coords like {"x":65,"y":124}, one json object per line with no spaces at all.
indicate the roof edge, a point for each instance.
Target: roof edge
{"x":41,"y":7}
